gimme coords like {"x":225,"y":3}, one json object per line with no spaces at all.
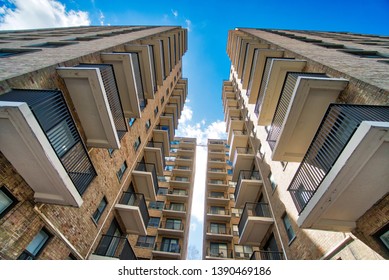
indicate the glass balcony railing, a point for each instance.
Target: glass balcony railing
{"x":259,"y":209}
{"x":136,"y":199}
{"x":115,"y":247}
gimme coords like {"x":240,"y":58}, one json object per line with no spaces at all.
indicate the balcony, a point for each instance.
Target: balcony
{"x":180,"y":182}
{"x":249,"y":59}
{"x":218,"y":214}
{"x":217,"y":173}
{"x":257,"y":69}
{"x":41,"y":141}
{"x":178,"y":99}
{"x":154,"y":153}
{"x":248,"y":187}
{"x":239,"y":138}
{"x":161,"y":134}
{"x":243,"y":160}
{"x":217,"y":185}
{"x":276,"y":70}
{"x":254,"y":223}
{"x":218,"y":198}
{"x":171,"y":229}
{"x":234,"y":124}
{"x":175,"y":210}
{"x":146,"y":63}
{"x":93,"y":90}
{"x":219,"y":234}
{"x":127,"y":74}
{"x":113,"y":248}
{"x":133,"y":212}
{"x":146,"y":180}
{"x":177,"y":195}
{"x":300,"y":109}
{"x":172,"y":109}
{"x":167,"y":251}
{"x":267,"y":255}
{"x":167,"y":122}
{"x":344,"y":172}
{"x":232,"y":112}
{"x":156,"y":49}
{"x":219,"y":254}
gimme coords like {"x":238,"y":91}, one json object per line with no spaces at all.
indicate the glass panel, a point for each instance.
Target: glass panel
{"x":5,"y":201}
{"x":37,"y":243}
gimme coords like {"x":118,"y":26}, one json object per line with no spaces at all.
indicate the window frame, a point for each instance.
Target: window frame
{"x":98,"y":213}
{"x":42,"y":246}
{"x":146,"y":241}
{"x":121,"y":171}
{"x":8,"y":194}
{"x":288,"y":228}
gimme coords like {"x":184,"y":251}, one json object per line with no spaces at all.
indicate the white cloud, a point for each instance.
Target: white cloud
{"x":188,"y":24}
{"x":186,"y":115}
{"x":40,"y":14}
{"x":175,"y":13}
{"x":101,"y":18}
{"x":193,"y":226}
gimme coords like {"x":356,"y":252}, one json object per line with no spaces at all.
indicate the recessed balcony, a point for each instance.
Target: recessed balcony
{"x":250,"y":59}
{"x":93,"y":90}
{"x":171,"y":228}
{"x":246,"y":54}
{"x":217,"y":185}
{"x":146,"y":180}
{"x":300,"y":109}
{"x":217,"y":173}
{"x":133,"y":212}
{"x":167,"y":251}
{"x":267,"y":255}
{"x":154,"y":153}
{"x":218,"y":233}
{"x":219,"y":254}
{"x":161,"y":134}
{"x":254,"y":223}
{"x":216,"y":213}
{"x":234,"y":124}
{"x":253,"y":83}
{"x":175,"y":210}
{"x":41,"y":141}
{"x":127,"y":74}
{"x":344,"y":172}
{"x":232,"y":112}
{"x":248,"y":187}
{"x":156,"y":49}
{"x":113,"y":248}
{"x":167,"y":122}
{"x":276,"y":70}
{"x":218,"y":198}
{"x":180,"y":181}
{"x":146,"y":62}
{"x":177,"y":195}
{"x":172,"y":109}
{"x":243,"y":160}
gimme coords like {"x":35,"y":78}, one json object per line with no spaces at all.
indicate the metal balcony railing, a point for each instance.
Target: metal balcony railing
{"x":167,"y":247}
{"x":218,"y":195}
{"x":172,"y":225}
{"x":338,"y":126}
{"x":219,"y":230}
{"x":136,"y":199}
{"x":239,"y":132}
{"x":175,"y":207}
{"x":244,"y":151}
{"x":154,"y":144}
{"x":220,"y":253}
{"x":178,"y":192}
{"x":283,"y":104}
{"x":115,"y":247}
{"x":165,"y":128}
{"x":218,"y":211}
{"x":267,"y":255}
{"x":149,"y":167}
{"x":112,"y":92}
{"x":258,"y":209}
{"x":169,"y":115}
{"x":246,"y":175}
{"x":52,"y":113}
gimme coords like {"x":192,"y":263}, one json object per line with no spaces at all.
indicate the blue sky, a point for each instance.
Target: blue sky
{"x":206,"y":63}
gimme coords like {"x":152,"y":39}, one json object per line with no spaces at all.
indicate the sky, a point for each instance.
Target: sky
{"x":205,"y":64}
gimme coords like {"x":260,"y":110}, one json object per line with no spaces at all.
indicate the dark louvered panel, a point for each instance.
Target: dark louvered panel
{"x":162,"y":49}
{"x":338,"y":126}
{"x":153,"y":68}
{"x":264,"y":81}
{"x":252,"y":70}
{"x":52,"y":114}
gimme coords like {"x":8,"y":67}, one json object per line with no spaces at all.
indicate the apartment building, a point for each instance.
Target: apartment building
{"x":90,"y":166}
{"x":307,"y":121}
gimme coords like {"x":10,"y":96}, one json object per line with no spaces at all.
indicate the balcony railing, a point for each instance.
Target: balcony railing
{"x":136,"y":199}
{"x":165,"y":128}
{"x":218,"y":195}
{"x":52,"y":113}
{"x":174,"y":207}
{"x":216,"y":211}
{"x":167,"y":247}
{"x":338,"y":126}
{"x":178,"y":192}
{"x":171,"y":225}
{"x":259,"y":209}
{"x":220,"y":253}
{"x":169,"y":115}
{"x":115,"y":247}
{"x":219,"y":230}
{"x":149,"y":167}
{"x":246,"y":175}
{"x":267,"y":255}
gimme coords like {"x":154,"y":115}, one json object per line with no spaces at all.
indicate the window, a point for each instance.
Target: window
{"x":162,"y":99}
{"x":177,"y":206}
{"x":288,"y":227}
{"x":154,"y":222}
{"x":156,"y":205}
{"x":137,"y":144}
{"x":162,"y":191}
{"x":148,"y":124}
{"x":183,"y":167}
{"x":365,"y":54}
{"x":131,"y":121}
{"x":169,"y":167}
{"x":13,"y":52}
{"x":170,"y":158}
{"x":155,"y":111}
{"x":110,"y":151}
{"x":146,"y":241}
{"x":243,"y":251}
{"x":100,"y":209}
{"x":218,"y":250}
{"x":217,"y":194}
{"x":236,"y":212}
{"x":52,"y":44}
{"x":121,"y":171}
{"x":218,"y":210}
{"x":173,"y":224}
{"x":7,"y":201}
{"x":272,"y":181}
{"x":167,"y":91}
{"x":382,"y":236}
{"x":235,"y":230}
{"x":170,"y":245}
{"x":218,"y":228}
{"x":181,"y":179}
{"x":36,"y":245}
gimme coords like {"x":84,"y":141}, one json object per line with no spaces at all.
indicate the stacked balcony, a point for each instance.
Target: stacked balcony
{"x":172,"y":109}
{"x":267,"y":255}
{"x":177,"y":195}
{"x":219,"y":254}
{"x":154,"y":153}
{"x":218,"y":198}
{"x":344,"y":172}
{"x":218,"y":214}
{"x":133,"y":212}
{"x":93,"y":90}
{"x":219,"y":234}
{"x":248,"y":187}
{"x":167,"y":251}
{"x":254,"y":223}
{"x":113,"y":248}
{"x":175,"y":210}
{"x":44,"y":145}
{"x":146,"y":180}
{"x":304,"y":99}
{"x":243,"y":159}
{"x":161,"y":133}
{"x":170,"y":228}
